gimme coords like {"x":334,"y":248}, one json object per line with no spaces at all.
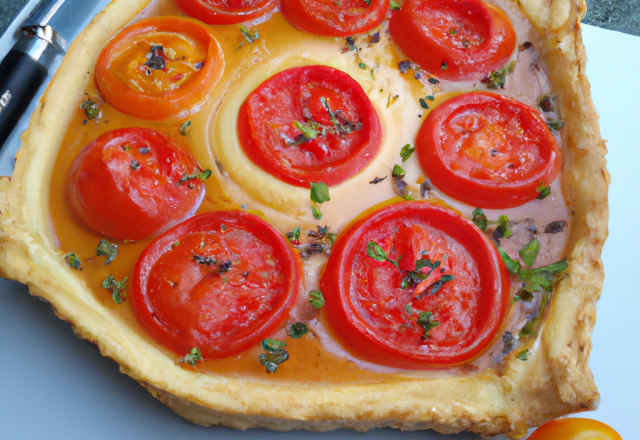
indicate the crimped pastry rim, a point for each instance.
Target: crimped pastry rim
{"x":556,"y":381}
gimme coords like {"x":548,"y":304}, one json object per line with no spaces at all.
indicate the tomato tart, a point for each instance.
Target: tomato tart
{"x":306,"y":214}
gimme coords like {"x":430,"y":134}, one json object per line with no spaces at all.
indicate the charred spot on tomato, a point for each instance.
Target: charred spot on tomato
{"x":227,"y":286}
{"x":319,"y":126}
{"x":418,"y":275}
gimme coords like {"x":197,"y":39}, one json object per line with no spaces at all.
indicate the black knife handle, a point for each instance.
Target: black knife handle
{"x":20,"y":79}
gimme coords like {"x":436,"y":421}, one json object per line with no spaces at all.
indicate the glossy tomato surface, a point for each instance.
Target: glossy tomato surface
{"x":226,"y":11}
{"x":125,"y":184}
{"x":575,"y":429}
{"x":461,"y":282}
{"x":348,"y":133}
{"x":335,"y":18}
{"x":159,"y":68}
{"x":454,"y":39}
{"x":488,"y":150}
{"x":220,"y":281}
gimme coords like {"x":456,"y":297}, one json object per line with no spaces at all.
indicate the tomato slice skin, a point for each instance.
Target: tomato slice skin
{"x":488,"y":150}
{"x":266,"y":121}
{"x":108,"y":196}
{"x":226,"y":11}
{"x":177,"y":90}
{"x":325,"y":17}
{"x":365,"y":302}
{"x":472,"y":38}
{"x":575,"y":428}
{"x":184,"y":304}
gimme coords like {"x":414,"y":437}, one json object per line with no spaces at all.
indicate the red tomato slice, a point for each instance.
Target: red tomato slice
{"x":488,"y":150}
{"x":464,"y":285}
{"x":454,"y":39}
{"x":125,"y":184}
{"x":335,"y":18}
{"x":159,"y":68}
{"x":220,"y":281}
{"x":345,"y":143}
{"x":575,"y":429}
{"x":226,"y":11}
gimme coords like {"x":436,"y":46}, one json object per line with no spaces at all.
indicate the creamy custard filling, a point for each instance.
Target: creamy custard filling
{"x":236,"y":182}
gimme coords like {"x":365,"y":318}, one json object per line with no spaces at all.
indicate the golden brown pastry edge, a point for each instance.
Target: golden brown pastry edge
{"x":555,"y":381}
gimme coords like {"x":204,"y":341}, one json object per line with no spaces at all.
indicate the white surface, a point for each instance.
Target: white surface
{"x":54,"y":386}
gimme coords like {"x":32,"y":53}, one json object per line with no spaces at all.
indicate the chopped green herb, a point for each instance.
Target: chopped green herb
{"x":503,"y":227}
{"x":523,"y":355}
{"x":273,"y":345}
{"x":444,"y":66}
{"x":317,"y":214}
{"x":479,"y":219}
{"x":437,"y":285}
{"x":308,"y":130}
{"x":251,"y":38}
{"x":73,"y":261}
{"x":332,"y":237}
{"x":192,"y":357}
{"x":406,"y":152}
{"x":394,"y":6}
{"x":423,"y":104}
{"x":118,"y":288}
{"x":513,"y":266}
{"x":368,"y":2}
{"x":377,"y":253}
{"x":185,"y":128}
{"x":202,"y":176}
{"x":498,"y":78}
{"x":276,"y":354}
{"x":408,"y":309}
{"x":316,"y":299}
{"x":391,"y":99}
{"x":397,"y":172}
{"x":425,"y":321}
{"x":530,"y":252}
{"x":533,"y":325}
{"x":107,"y":249}
{"x":298,"y":330}
{"x":294,"y":234}
{"x":543,"y":191}
{"x":319,"y":194}
{"x":554,"y":124}
{"x":430,"y":98}
{"x":362,"y":65}
{"x":90,"y":108}
{"x":408,"y":197}
{"x":542,"y":277}
{"x":134,"y":165}
{"x":523,"y":295}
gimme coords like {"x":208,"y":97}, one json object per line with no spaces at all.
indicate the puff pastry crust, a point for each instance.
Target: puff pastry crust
{"x":556,"y":381}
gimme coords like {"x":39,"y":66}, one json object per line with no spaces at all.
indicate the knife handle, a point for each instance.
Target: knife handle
{"x":20,"y":79}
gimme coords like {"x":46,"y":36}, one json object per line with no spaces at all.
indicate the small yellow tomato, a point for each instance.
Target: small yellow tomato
{"x":575,"y":429}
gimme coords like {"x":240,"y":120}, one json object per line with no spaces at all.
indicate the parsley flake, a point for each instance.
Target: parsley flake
{"x":134,"y":165}
{"x":316,"y":299}
{"x":406,"y":152}
{"x":498,"y":78}
{"x":276,"y":354}
{"x":185,"y":128}
{"x":523,"y":355}
{"x":543,"y":191}
{"x":394,"y":6}
{"x":73,"y":261}
{"x":530,"y":252}
{"x":397,"y":172}
{"x":480,"y":219}
{"x":108,"y":250}
{"x":428,"y":324}
{"x":90,"y":108}
{"x":377,"y":253}
{"x":118,"y":288}
{"x":192,"y":357}
{"x":294,"y":234}
{"x":298,"y":330}
{"x":201,"y":176}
